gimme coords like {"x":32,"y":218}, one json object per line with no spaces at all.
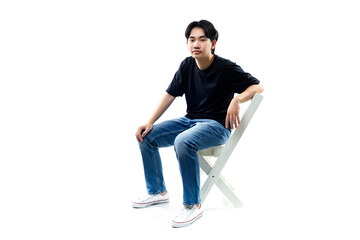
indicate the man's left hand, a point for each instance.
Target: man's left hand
{"x":233,"y":114}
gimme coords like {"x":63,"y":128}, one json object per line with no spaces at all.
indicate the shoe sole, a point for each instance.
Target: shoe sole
{"x":142,"y":205}
{"x":187,"y":223}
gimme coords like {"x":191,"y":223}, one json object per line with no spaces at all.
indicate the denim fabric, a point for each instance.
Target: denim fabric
{"x":187,"y":136}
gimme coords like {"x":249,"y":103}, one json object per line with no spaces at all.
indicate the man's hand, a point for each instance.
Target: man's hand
{"x":233,"y":114}
{"x":142,"y":131}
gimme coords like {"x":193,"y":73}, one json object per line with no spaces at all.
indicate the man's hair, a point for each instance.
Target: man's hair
{"x":208,"y":27}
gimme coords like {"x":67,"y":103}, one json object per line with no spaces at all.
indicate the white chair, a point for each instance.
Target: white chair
{"x":222,"y":154}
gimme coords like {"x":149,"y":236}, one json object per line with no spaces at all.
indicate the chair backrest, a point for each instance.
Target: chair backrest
{"x":230,"y":145}
{"x":235,"y":136}
{"x":247,"y":115}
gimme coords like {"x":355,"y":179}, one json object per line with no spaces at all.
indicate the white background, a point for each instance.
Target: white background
{"x":78,"y":77}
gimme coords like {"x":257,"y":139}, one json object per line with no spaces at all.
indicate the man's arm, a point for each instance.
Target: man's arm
{"x":164,"y":104}
{"x":233,"y":112}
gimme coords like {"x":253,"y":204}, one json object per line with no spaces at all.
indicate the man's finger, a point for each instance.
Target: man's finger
{"x":138,"y":137}
{"x":145,"y":132}
{"x":233,"y":122}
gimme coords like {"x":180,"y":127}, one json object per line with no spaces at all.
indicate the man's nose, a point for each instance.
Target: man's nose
{"x":196,"y":44}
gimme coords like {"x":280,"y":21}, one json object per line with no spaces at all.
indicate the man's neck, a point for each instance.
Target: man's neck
{"x":205,"y":62}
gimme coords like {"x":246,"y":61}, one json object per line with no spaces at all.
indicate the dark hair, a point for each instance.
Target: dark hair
{"x":208,"y":27}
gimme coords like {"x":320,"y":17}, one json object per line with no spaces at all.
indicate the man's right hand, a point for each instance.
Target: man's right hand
{"x":142,"y":131}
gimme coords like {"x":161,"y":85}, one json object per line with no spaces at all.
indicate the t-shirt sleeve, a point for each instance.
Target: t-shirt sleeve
{"x":241,"y":80}
{"x":176,"y":87}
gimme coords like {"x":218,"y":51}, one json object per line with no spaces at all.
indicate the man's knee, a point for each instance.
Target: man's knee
{"x":148,"y":140}
{"x":182,"y":144}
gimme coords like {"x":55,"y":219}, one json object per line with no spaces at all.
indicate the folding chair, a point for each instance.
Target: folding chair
{"x":222,"y":154}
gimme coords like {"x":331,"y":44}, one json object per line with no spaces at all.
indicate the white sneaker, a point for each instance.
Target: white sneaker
{"x":187,"y":216}
{"x":150,"y":200}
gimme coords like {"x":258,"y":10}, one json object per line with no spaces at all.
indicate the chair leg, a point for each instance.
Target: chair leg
{"x":220,"y":182}
{"x":213,"y":172}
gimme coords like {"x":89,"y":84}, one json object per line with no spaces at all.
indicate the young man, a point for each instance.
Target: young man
{"x":209,"y":83}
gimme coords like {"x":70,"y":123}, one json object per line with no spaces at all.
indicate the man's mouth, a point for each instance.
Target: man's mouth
{"x":196,"y":52}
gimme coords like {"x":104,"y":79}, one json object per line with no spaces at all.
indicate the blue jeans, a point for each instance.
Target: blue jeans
{"x":187,"y":136}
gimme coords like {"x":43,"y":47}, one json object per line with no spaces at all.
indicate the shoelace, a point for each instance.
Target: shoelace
{"x":148,"y":198}
{"x":187,"y":211}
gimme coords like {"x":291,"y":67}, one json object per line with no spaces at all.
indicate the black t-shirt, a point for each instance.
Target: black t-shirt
{"x":209,"y":92}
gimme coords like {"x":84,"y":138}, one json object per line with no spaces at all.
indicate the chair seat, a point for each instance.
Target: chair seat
{"x":211,"y":152}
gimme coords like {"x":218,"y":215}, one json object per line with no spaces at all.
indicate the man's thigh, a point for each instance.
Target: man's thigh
{"x":204,"y":134}
{"x":163,"y":134}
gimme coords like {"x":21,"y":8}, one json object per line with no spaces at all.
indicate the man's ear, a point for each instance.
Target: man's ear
{"x":213,"y":44}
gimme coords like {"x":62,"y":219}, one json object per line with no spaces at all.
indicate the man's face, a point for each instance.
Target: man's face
{"x":199,"y":45}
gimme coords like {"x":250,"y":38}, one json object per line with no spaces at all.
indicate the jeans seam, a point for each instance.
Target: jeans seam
{"x":197,"y":189}
{"x":157,"y":171}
